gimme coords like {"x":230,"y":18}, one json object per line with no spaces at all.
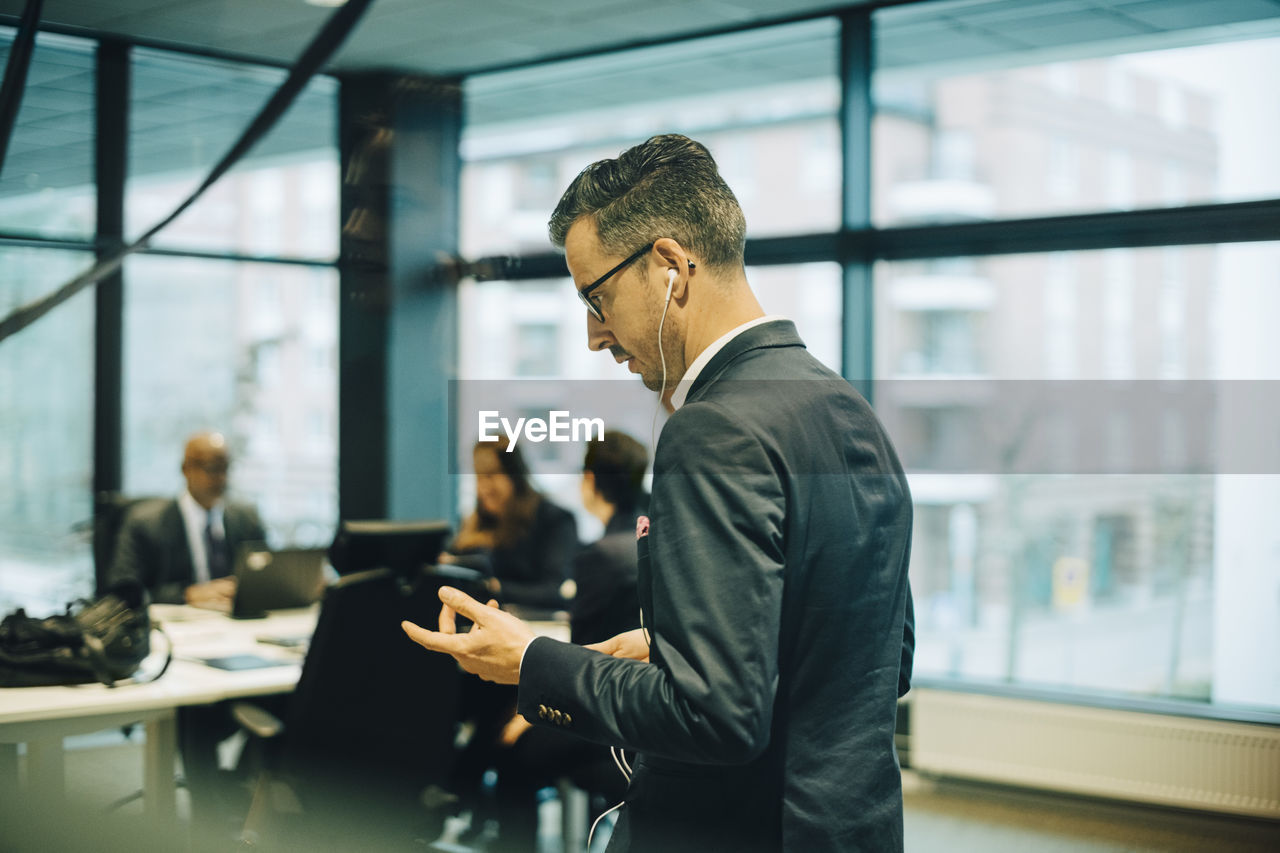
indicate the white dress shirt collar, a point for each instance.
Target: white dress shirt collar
{"x":194,"y":519}
{"x":690,"y":376}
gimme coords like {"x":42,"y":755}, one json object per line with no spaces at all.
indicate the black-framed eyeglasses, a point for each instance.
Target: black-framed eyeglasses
{"x":585,"y":293}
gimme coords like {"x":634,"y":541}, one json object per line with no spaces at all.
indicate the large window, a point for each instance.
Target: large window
{"x":963,"y":131}
{"x":763,"y":101}
{"x":46,"y":437}
{"x":1030,"y":568}
{"x":1026,"y":568}
{"x":46,"y":371}
{"x":280,"y":200}
{"x":247,"y":348}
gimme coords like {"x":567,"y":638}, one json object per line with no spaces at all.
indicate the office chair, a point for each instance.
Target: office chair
{"x":368,"y":743}
{"x":109,"y":511}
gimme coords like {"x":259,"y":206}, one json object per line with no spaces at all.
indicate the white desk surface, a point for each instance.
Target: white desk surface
{"x":41,"y":717}
{"x":194,"y":633}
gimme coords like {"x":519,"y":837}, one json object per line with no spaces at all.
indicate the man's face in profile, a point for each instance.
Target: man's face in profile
{"x":631,"y":305}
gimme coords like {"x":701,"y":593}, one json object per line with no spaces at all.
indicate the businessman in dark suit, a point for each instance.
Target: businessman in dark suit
{"x":761,"y":692}
{"x":183,"y":549}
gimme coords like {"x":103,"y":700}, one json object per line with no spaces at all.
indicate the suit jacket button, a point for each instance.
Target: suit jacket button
{"x":542,"y":712}
{"x":568,"y":720}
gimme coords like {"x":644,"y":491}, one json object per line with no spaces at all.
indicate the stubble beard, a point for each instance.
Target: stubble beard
{"x":651,"y":376}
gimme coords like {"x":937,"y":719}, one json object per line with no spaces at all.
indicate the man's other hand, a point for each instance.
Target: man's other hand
{"x":215,"y":595}
{"x":630,"y":645}
{"x":492,"y":649}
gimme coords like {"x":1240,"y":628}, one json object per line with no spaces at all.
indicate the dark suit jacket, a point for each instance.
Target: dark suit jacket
{"x":774,"y":587}
{"x":152,"y":546}
{"x":606,"y":603}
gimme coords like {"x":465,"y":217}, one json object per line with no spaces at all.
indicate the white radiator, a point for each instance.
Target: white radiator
{"x":1176,"y":761}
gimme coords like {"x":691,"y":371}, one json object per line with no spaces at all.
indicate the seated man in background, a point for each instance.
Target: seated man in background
{"x":183,"y":550}
{"x":604,"y":605}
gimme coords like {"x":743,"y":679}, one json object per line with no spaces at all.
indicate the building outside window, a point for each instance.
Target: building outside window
{"x":47,"y":370}
{"x":1040,"y":576}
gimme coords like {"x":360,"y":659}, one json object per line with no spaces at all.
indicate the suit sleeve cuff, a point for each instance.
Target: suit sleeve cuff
{"x":523,"y":653}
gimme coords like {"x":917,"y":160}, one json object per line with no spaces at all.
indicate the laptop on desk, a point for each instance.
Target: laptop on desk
{"x":278,"y":579}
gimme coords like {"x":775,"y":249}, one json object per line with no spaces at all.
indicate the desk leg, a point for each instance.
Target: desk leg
{"x":46,"y":770}
{"x":159,"y":765}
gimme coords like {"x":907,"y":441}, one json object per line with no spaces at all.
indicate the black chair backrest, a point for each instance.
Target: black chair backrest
{"x":370,"y":700}
{"x":109,"y":510}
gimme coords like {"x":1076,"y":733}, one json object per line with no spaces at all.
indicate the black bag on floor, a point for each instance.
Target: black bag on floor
{"x":104,"y":640}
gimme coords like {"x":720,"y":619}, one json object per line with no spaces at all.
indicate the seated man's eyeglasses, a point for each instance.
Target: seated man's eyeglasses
{"x":585,"y":293}
{"x":211,"y":467}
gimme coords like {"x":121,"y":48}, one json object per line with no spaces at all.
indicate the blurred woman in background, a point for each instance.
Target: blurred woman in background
{"x":522,"y":541}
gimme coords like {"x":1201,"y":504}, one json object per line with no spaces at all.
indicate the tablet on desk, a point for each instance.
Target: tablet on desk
{"x":236,"y":663}
{"x":298,"y":642}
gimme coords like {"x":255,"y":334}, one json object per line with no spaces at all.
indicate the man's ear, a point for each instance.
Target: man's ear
{"x":674,"y":258}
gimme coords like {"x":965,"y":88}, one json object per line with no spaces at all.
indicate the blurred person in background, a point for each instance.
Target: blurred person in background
{"x":606,"y":604}
{"x":516,"y":536}
{"x":524,"y":544}
{"x":183,"y":550}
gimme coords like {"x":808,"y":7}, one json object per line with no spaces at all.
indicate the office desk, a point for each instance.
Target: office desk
{"x":41,"y":717}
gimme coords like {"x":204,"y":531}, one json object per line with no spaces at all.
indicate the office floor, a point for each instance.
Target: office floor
{"x":946,"y":816}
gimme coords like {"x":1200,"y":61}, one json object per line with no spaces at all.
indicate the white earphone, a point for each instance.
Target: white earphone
{"x":671,"y":283}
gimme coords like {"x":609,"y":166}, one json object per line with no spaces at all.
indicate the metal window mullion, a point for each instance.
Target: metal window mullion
{"x":856,"y":63}
{"x":111,"y":134}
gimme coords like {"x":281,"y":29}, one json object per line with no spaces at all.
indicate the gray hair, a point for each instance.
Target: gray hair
{"x":667,"y":186}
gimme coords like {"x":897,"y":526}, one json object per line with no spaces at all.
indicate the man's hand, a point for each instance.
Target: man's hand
{"x":512,"y":731}
{"x":215,"y":595}
{"x":491,"y":649}
{"x":630,"y":644}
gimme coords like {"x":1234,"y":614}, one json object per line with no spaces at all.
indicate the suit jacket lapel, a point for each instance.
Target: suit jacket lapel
{"x":231,"y":528}
{"x":175,"y":533}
